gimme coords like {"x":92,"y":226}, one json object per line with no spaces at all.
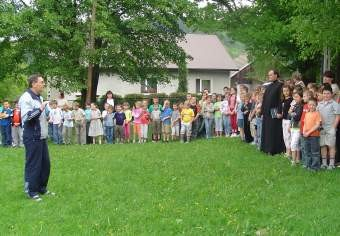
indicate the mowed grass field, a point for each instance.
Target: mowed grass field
{"x":215,"y":187}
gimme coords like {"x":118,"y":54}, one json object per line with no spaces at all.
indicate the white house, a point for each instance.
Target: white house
{"x":210,"y":68}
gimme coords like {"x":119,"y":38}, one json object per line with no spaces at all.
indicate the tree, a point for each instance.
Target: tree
{"x":135,"y":39}
{"x":182,"y":78}
{"x":289,"y":35}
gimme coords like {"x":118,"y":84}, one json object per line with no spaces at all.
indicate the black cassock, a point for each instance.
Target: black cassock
{"x":272,"y":136}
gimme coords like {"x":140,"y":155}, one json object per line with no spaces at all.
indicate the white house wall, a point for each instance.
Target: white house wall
{"x":219,"y":79}
{"x":168,"y":87}
{"x":116,"y":85}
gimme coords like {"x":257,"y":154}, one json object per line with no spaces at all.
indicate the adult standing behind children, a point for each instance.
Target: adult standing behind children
{"x":328,"y":78}
{"x":109,"y":99}
{"x":155,"y":103}
{"x":272,"y":136}
{"x":37,"y":165}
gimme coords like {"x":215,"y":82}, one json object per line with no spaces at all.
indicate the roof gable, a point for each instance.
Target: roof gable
{"x":207,"y":52}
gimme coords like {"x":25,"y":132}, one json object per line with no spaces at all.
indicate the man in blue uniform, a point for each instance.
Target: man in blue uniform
{"x":35,"y":132}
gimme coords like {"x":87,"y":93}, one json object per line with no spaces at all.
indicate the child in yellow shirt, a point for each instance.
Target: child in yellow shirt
{"x":187,"y":116}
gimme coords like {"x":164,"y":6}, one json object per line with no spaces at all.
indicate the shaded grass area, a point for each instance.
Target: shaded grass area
{"x":220,"y":186}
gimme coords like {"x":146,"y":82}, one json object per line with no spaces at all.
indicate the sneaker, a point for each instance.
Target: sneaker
{"x":36,"y":198}
{"x":49,"y":193}
{"x":331,"y":167}
{"x":324,"y":167}
{"x":293,"y":163}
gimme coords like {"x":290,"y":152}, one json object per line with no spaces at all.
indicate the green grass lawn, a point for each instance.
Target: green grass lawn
{"x":216,"y":187}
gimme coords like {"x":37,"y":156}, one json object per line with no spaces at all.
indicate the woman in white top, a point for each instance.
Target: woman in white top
{"x":109,"y":99}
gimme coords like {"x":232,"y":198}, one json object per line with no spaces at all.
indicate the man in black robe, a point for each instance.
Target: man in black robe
{"x":272,"y":135}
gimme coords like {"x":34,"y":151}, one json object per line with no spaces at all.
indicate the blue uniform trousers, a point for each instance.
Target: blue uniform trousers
{"x":37,"y":167}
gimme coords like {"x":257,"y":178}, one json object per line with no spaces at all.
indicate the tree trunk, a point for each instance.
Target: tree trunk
{"x":83,"y":97}
{"x":91,"y":49}
{"x":326,"y":59}
{"x":337,"y":69}
{"x":182,"y":78}
{"x":95,"y":80}
{"x":94,"y":85}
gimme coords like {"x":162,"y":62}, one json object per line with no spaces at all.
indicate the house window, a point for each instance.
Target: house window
{"x":198,"y":85}
{"x":202,"y":84}
{"x":148,"y":86}
{"x":205,"y":84}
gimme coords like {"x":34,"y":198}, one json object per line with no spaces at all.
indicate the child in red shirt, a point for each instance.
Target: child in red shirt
{"x":307,"y":95}
{"x":145,"y":120}
{"x":16,"y":127}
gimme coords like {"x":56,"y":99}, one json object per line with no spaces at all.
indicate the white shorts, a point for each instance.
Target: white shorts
{"x":186,"y":129}
{"x":286,"y":133}
{"x":175,"y":130}
{"x":144,"y":131}
{"x":328,"y":137}
{"x":295,"y":141}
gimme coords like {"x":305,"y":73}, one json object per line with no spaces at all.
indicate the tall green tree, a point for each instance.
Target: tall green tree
{"x":135,"y":39}
{"x":289,"y":35}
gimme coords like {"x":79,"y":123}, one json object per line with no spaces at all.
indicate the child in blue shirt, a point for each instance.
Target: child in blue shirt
{"x":5,"y":123}
{"x":108,"y":125}
{"x":166,"y":121}
{"x":120,"y":121}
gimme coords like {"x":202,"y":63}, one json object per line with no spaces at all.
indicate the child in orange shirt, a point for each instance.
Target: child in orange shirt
{"x":311,"y":135}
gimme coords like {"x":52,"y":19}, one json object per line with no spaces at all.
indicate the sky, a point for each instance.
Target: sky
{"x":200,"y":4}
{"x":238,"y":2}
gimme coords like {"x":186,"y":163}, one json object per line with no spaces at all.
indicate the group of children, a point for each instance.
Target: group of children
{"x":10,"y":125}
{"x":310,"y":117}
{"x":310,"y":120}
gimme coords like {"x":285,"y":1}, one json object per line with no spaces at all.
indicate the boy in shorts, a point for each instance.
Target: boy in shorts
{"x":330,"y":113}
{"x":166,"y":121}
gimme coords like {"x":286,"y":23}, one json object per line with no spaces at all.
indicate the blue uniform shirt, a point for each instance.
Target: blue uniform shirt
{"x":167,"y":112}
{"x":33,"y":119}
{"x":6,"y":121}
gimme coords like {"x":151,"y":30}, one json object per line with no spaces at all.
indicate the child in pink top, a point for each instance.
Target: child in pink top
{"x":145,"y":120}
{"x":232,"y":110}
{"x":137,"y":115}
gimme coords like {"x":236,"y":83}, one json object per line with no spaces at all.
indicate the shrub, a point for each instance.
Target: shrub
{"x":134,"y":97}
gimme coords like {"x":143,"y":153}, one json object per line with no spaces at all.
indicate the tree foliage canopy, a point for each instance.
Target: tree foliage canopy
{"x":286,"y":34}
{"x":133,"y":38}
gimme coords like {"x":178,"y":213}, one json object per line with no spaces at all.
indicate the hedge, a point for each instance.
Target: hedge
{"x":134,"y":97}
